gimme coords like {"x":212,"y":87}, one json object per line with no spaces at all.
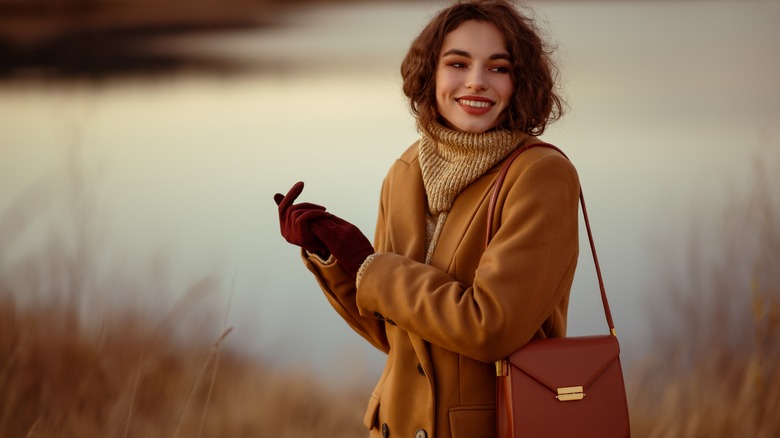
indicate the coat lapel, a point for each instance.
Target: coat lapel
{"x":408,"y":230}
{"x":463,"y":213}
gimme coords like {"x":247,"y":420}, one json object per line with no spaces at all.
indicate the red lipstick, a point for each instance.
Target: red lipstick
{"x":475,"y":105}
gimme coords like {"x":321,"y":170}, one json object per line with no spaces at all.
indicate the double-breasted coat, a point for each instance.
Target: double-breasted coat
{"x":444,"y":325}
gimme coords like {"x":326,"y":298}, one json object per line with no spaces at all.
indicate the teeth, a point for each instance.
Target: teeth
{"x":474,"y":103}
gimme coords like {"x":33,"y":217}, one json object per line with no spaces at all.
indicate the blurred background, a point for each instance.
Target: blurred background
{"x":144,"y":286}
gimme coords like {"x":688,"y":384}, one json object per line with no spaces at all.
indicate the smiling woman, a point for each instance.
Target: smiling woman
{"x":427,"y":292}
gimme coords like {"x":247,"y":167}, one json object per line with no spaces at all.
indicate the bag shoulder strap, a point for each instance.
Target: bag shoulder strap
{"x":492,"y":206}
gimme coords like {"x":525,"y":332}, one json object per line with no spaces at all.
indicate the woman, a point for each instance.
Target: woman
{"x":428,"y":292}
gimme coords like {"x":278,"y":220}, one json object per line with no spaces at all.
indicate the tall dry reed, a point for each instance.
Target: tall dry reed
{"x":713,"y":369}
{"x":119,"y":381}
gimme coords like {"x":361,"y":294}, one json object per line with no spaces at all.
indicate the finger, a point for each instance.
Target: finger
{"x":292,"y":195}
{"x":278,"y":198}
{"x":301,"y":217}
{"x":335,"y":222}
{"x":309,"y":213}
{"x":306,"y":206}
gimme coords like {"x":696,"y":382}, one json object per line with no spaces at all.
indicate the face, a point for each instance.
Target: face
{"x":473,"y":81}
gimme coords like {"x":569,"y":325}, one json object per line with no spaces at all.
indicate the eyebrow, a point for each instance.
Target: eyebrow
{"x":466,"y":54}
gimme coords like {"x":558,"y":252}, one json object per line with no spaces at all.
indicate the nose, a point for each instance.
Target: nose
{"x":476,"y":80}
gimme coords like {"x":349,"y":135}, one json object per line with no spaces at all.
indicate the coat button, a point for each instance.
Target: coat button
{"x":385,"y":430}
{"x":421,"y":433}
{"x":420,"y":370}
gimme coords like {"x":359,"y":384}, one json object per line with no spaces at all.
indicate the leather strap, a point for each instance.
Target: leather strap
{"x":492,"y":206}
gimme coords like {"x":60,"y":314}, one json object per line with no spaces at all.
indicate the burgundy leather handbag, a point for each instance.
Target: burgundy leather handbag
{"x":559,"y":387}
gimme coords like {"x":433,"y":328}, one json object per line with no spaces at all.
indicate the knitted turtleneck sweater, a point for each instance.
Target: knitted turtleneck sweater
{"x":450,"y":161}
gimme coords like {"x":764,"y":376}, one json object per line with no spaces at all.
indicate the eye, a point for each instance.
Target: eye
{"x":500,"y":69}
{"x":457,"y":64}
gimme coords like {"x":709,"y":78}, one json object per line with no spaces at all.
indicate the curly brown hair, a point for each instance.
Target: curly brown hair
{"x":535,"y":102}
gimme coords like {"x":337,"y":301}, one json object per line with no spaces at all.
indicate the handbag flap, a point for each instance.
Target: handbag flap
{"x":566,"y":362}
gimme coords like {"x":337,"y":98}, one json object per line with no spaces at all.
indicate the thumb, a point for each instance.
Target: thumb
{"x":278,"y":198}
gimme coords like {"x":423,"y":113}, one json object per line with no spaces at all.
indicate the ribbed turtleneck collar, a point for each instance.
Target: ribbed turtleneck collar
{"x":451,"y":160}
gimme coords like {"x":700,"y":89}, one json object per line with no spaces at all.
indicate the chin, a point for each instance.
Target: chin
{"x":469,"y":125}
{"x":475,"y":129}
{"x":472,"y":126}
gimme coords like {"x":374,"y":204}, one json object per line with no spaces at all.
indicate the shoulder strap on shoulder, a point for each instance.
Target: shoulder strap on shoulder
{"x":492,"y":206}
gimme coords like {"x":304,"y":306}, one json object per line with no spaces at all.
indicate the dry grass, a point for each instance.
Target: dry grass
{"x":57,"y":380}
{"x":714,"y":368}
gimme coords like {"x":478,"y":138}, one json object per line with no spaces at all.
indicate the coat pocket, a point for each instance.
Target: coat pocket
{"x":370,"y":420}
{"x":478,"y":421}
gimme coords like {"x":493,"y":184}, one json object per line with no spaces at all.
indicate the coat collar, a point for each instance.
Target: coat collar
{"x":467,"y":206}
{"x":412,"y":217}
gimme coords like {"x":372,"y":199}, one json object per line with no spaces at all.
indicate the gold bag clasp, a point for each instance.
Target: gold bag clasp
{"x":570,"y":393}
{"x":502,"y":368}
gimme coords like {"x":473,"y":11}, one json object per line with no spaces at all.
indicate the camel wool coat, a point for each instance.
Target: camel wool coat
{"x":444,"y":325}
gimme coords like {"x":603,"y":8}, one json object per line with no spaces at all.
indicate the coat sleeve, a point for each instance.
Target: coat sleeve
{"x":340,"y":290}
{"x":520,"y":279}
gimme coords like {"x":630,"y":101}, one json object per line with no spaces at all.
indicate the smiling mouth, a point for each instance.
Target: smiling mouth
{"x":475,"y":103}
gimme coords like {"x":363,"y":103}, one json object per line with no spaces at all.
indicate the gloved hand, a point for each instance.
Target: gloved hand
{"x":345,"y":241}
{"x":295,"y":221}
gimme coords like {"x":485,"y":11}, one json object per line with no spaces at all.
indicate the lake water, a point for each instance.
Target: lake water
{"x":672,"y":103}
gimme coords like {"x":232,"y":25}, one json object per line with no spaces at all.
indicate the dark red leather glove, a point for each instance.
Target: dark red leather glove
{"x":345,"y":241}
{"x":295,"y":221}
